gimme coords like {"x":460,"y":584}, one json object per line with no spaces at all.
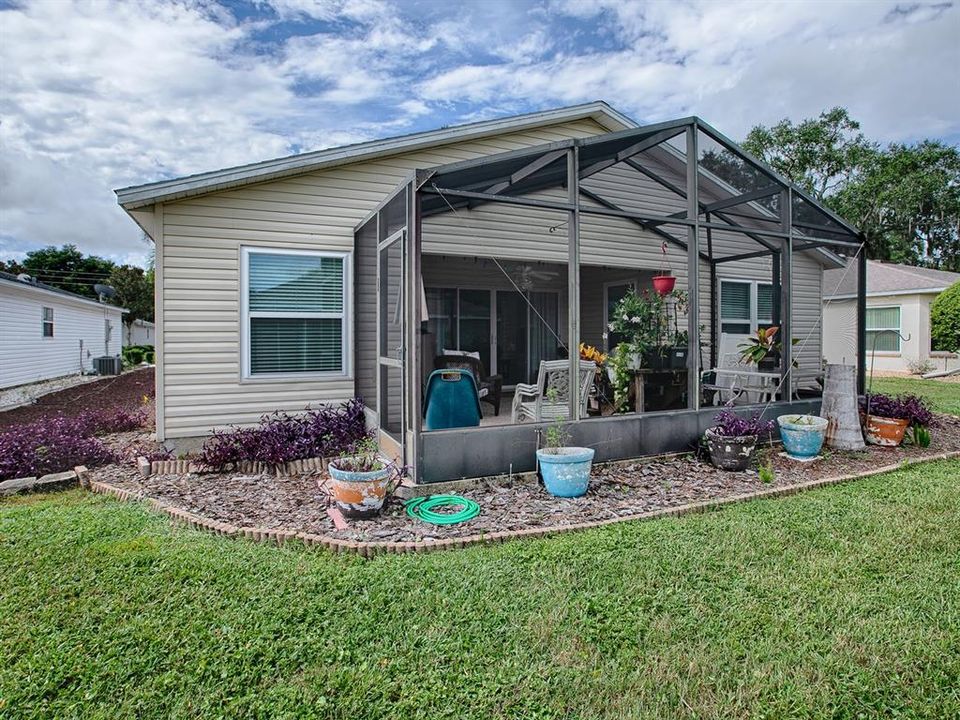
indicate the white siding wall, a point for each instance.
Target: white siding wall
{"x":198,"y":248}
{"x":26,"y":356}
{"x":137,"y":334}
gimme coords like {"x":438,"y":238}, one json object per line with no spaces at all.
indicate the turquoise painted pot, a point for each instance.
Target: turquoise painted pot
{"x":565,"y":471}
{"x":802,"y":435}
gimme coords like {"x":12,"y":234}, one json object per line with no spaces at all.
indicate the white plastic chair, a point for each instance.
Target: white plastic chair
{"x":530,"y":402}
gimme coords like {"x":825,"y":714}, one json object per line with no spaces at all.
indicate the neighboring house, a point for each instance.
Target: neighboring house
{"x":300,"y":280}
{"x":898,"y":316}
{"x":46,"y":332}
{"x":139,"y":332}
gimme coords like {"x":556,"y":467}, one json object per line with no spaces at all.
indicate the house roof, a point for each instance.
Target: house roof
{"x":888,"y":279}
{"x":139,"y":196}
{"x":33,"y":284}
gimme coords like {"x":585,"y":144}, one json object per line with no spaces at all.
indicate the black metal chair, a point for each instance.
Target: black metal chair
{"x":489,"y":387}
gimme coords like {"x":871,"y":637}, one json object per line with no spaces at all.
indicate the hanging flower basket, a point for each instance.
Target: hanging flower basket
{"x":664,"y":284}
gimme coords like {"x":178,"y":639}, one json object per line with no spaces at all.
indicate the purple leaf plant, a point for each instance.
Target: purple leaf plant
{"x":729,"y":424}
{"x":902,"y":407}
{"x":327,"y":431}
{"x":58,"y":443}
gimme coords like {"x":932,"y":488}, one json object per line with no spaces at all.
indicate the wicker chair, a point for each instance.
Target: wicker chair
{"x":489,"y":387}
{"x":530,"y":402}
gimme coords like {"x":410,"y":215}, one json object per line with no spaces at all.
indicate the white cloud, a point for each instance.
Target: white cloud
{"x":101,"y":95}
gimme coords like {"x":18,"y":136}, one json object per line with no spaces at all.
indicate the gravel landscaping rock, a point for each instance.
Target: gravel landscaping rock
{"x":300,"y":502}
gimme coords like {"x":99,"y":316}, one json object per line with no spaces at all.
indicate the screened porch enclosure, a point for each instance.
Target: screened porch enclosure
{"x":517,"y":259}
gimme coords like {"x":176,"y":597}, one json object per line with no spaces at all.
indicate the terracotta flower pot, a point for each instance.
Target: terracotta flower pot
{"x":664,"y":283}
{"x":884,"y":431}
{"x":359,"y":494}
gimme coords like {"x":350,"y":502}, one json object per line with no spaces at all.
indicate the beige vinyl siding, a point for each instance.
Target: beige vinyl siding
{"x":199,"y":243}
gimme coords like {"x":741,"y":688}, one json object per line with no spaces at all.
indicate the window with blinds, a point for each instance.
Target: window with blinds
{"x":744,"y":306}
{"x":295,"y":312}
{"x":883,"y":328}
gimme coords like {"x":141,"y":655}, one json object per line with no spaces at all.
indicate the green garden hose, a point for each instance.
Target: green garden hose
{"x":422,"y":509}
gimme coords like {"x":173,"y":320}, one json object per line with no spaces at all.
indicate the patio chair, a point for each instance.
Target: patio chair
{"x":451,"y":400}
{"x":530,"y":402}
{"x":734,"y":381}
{"x":489,"y":387}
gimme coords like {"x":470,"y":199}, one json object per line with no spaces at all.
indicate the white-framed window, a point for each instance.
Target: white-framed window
{"x":46,"y":322}
{"x":745,"y":305}
{"x":295,"y":310}
{"x":883,"y":329}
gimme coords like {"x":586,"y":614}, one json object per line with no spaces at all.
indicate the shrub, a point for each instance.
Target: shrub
{"x":729,"y":424}
{"x":325,"y":432}
{"x":920,"y":367}
{"x":902,"y":407}
{"x":945,"y":320}
{"x":136,"y":354}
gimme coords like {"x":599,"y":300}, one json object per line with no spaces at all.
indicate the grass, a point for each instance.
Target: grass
{"x":841,"y":602}
{"x":942,"y":396}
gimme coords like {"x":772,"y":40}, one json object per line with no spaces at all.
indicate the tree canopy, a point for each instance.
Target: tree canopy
{"x":904,"y":197}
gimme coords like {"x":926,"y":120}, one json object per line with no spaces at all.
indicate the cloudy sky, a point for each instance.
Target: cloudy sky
{"x":100,"y":95}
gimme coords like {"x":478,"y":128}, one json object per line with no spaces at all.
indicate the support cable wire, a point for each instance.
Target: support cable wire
{"x":817,"y":324}
{"x":507,"y":275}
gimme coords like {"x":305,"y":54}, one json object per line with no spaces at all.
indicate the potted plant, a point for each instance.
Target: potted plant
{"x":802,"y":435}
{"x":763,"y":350}
{"x":361,"y":480}
{"x":887,"y":417}
{"x":565,"y":470}
{"x":732,"y":441}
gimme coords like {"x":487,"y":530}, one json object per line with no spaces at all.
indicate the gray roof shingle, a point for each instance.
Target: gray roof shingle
{"x":884,"y":278}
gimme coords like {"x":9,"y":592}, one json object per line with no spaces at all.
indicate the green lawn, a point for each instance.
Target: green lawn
{"x":943,"y":396}
{"x":841,"y":602}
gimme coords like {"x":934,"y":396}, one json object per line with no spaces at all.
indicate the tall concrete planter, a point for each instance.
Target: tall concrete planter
{"x":839,"y":407}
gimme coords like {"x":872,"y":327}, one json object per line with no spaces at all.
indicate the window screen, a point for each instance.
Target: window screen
{"x":883,"y":326}
{"x":295,"y":312}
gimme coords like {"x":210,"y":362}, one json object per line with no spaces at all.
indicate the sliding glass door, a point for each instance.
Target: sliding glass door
{"x":510,"y":331}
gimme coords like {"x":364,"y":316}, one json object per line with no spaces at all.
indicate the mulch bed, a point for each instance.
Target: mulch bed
{"x":616,"y":490}
{"x":123,"y":391}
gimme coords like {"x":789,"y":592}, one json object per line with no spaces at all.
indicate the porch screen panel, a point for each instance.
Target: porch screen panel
{"x":442,"y":318}
{"x":543,"y":336}
{"x":296,"y":313}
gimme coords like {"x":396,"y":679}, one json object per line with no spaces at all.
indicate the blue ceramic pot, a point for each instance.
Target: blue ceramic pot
{"x":802,"y":435}
{"x":565,"y":471}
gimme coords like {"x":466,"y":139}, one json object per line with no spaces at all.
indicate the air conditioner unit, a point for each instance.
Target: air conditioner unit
{"x":107,"y":365}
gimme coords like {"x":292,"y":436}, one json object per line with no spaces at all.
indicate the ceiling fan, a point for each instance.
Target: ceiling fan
{"x":527,"y":276}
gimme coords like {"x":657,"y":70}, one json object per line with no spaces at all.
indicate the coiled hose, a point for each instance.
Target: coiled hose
{"x":422,"y":508}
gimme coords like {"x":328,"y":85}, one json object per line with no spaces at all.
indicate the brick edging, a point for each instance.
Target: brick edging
{"x":182,"y":467}
{"x":389,"y":547}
